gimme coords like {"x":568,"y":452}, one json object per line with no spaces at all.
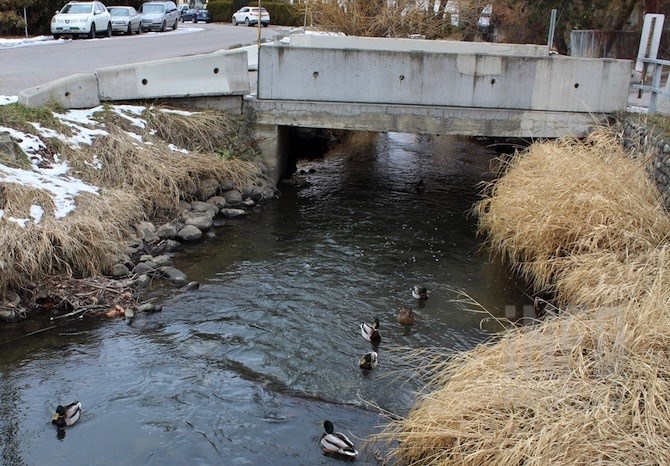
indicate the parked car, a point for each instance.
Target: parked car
{"x":196,"y":15}
{"x":249,"y":16}
{"x":182,"y":9}
{"x":158,"y":16}
{"x":125,"y":19}
{"x":84,"y":19}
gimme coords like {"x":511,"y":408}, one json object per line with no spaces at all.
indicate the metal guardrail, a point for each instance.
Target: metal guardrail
{"x":655,"y":68}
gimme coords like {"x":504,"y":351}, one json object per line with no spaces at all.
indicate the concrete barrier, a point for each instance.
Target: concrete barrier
{"x":76,"y":91}
{"x":419,"y":45}
{"x":551,"y":83}
{"x":219,"y":73}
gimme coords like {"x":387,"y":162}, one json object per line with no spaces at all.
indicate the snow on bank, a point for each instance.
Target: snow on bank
{"x":47,"y":171}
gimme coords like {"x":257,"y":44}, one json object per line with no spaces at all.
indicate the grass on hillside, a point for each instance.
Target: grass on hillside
{"x":137,"y":181}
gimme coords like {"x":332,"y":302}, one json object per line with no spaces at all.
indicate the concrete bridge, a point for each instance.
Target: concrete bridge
{"x":372,"y":84}
{"x":438,"y":87}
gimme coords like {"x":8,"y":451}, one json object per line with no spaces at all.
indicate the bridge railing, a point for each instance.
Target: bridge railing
{"x":656,"y":88}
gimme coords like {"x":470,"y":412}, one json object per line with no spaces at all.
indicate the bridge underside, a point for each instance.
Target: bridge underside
{"x":490,"y":122}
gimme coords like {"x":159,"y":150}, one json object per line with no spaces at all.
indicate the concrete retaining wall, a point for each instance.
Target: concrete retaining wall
{"x":219,"y":74}
{"x":76,"y":91}
{"x":223,"y":72}
{"x":408,"y":45}
{"x":553,"y":83}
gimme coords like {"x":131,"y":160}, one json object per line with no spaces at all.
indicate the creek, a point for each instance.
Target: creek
{"x":245,"y":369}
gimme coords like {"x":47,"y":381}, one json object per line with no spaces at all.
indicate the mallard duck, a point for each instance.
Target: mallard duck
{"x":371,"y":332}
{"x":405,"y":316}
{"x":336,"y":443}
{"x":67,"y":415}
{"x":420,"y":293}
{"x":368,"y":361}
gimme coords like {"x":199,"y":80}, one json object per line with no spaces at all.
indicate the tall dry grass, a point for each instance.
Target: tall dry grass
{"x":156,"y":174}
{"x":568,"y":213}
{"x":591,"y":385}
{"x":378,"y":18}
{"x":81,"y":244}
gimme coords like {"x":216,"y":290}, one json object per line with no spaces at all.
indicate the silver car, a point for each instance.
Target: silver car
{"x":125,"y":19}
{"x":158,"y":16}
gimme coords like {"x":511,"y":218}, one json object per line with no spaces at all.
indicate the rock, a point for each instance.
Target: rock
{"x":12,"y":299}
{"x":131,"y":251}
{"x":167,"y":231}
{"x":174,"y":275}
{"x":162,"y":260}
{"x":172,"y":245}
{"x":233,"y":213}
{"x":203,"y":223}
{"x":269,"y":192}
{"x":218,"y":222}
{"x":185,"y":205}
{"x":142,"y":268}
{"x":189,"y":233}
{"x":143,"y":281}
{"x":151,"y":264}
{"x":149,"y":307}
{"x":227,"y":185}
{"x":233,"y":197}
{"x":248,"y":202}
{"x":145,"y":229}
{"x":207,"y":188}
{"x":192,"y":286}
{"x":156,"y":249}
{"x":200,"y":206}
{"x":255,"y":193}
{"x":119,"y":270}
{"x":13,"y":315}
{"x":122,"y":259}
{"x":218,"y":201}
{"x":211,"y":213}
{"x":146,"y":257}
{"x":8,"y":149}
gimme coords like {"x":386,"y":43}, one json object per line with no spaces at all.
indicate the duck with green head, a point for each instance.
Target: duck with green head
{"x":371,"y":331}
{"x":368,"y":361}
{"x":336,"y":443}
{"x":66,"y":416}
{"x":420,"y":293}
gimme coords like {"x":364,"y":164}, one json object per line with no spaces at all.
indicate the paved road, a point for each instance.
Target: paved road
{"x":24,"y":67}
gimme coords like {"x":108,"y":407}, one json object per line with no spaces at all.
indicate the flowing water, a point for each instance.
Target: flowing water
{"x":246,"y":369}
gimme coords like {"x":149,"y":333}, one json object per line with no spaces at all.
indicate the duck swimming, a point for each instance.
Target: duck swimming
{"x":406,"y":316}
{"x":66,"y":416}
{"x":336,"y":443}
{"x":420,"y":293}
{"x":371,"y":332}
{"x":368,"y":361}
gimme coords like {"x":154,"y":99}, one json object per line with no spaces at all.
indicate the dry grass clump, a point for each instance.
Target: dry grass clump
{"x":81,"y":244}
{"x":379,"y":19}
{"x":204,"y":131}
{"x":583,"y":388}
{"x":591,"y":385}
{"x":157,"y":175}
{"x":562,"y":205}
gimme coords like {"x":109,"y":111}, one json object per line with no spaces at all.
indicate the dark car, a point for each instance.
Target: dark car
{"x":196,"y":15}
